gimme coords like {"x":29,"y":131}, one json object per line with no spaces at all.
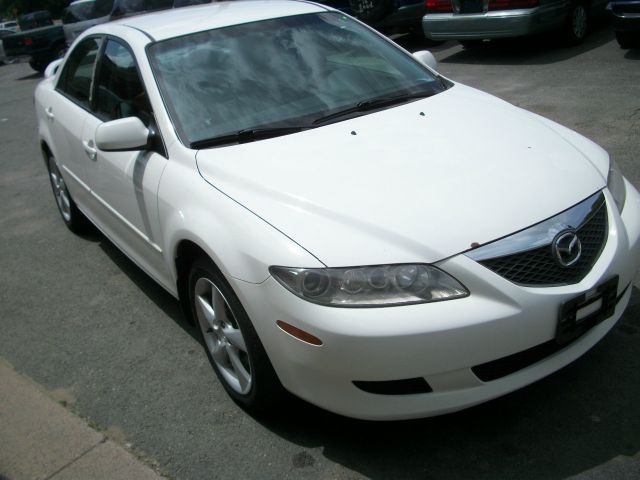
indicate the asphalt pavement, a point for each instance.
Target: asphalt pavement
{"x":103,"y":341}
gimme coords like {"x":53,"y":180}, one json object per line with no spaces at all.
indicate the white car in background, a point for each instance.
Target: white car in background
{"x":337,"y":218}
{"x":10,"y":25}
{"x":3,"y":33}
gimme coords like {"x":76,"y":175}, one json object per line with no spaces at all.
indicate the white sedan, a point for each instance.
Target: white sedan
{"x":338,"y":219}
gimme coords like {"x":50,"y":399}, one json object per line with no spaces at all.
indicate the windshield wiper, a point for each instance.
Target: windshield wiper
{"x":246,"y":135}
{"x":372,"y":104}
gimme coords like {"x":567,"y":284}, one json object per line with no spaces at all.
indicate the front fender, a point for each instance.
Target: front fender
{"x":241,"y":244}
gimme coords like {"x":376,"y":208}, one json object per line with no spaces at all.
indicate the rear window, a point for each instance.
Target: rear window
{"x":35,"y":20}
{"x":79,"y":12}
{"x":102,"y":8}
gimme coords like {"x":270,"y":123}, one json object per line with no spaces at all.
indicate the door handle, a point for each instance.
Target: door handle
{"x":49,"y":113}
{"x":92,"y":153}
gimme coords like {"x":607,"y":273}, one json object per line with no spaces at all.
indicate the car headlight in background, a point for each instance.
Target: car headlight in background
{"x":615,"y":184}
{"x":374,"y":286}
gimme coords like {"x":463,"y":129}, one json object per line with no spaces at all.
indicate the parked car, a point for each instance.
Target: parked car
{"x":3,"y":33}
{"x":10,"y":25}
{"x":38,"y":39}
{"x":78,"y":16}
{"x":471,"y":21}
{"x":83,"y":14}
{"x":626,"y":21}
{"x":304,"y":192}
{"x":389,"y":16}
{"x":33,"y":20}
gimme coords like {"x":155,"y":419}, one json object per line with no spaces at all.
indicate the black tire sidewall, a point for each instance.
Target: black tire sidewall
{"x":77,"y":222}
{"x":265,"y":386}
{"x":569,"y":34}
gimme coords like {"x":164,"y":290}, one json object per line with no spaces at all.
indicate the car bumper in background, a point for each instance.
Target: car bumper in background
{"x":494,"y":24}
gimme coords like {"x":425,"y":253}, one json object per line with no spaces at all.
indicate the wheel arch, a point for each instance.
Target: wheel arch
{"x":46,"y":151}
{"x":186,"y":252}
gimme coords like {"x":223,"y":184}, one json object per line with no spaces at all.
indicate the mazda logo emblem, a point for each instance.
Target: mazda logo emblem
{"x":567,"y":248}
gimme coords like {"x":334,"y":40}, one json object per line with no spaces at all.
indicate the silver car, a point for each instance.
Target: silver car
{"x":471,"y":21}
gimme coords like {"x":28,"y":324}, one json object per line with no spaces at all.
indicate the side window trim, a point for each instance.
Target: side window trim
{"x":62,"y":79}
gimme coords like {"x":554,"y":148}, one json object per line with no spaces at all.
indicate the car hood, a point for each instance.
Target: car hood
{"x":415,"y":183}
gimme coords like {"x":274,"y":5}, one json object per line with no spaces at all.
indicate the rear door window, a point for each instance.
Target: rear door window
{"x":76,"y":78}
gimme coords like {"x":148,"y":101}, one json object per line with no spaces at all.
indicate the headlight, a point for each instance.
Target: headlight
{"x":615,"y":184}
{"x":375,"y":286}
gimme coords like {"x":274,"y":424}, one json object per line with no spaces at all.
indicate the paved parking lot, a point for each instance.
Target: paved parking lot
{"x":81,"y":320}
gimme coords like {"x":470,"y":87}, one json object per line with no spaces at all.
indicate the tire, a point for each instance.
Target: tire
{"x":230,"y":341}
{"x":628,"y":39}
{"x":371,"y":11}
{"x":469,"y":44}
{"x":72,"y":217}
{"x":577,"y":24}
{"x":37,"y":65}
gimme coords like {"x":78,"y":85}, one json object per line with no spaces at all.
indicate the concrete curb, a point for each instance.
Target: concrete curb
{"x":42,"y":440}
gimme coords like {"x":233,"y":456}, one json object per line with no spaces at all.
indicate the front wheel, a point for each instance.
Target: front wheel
{"x":230,"y":341}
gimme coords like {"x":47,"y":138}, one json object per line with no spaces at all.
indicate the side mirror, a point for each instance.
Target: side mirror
{"x":426,"y":58}
{"x":123,"y":135}
{"x":52,"y":68}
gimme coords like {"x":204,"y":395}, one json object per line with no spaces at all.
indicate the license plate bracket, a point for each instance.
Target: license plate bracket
{"x":571,"y":325}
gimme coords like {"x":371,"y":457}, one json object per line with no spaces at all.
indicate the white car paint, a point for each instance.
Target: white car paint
{"x":392,"y":186}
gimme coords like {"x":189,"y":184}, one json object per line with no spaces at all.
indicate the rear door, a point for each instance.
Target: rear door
{"x":68,"y":112}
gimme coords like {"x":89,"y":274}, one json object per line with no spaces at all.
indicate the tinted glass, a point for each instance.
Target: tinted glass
{"x":119,"y":91}
{"x":102,"y":8}
{"x":159,"y":4}
{"x":307,"y":66}
{"x":76,"y":77}
{"x":78,"y":12}
{"x":131,"y":6}
{"x":186,"y":3}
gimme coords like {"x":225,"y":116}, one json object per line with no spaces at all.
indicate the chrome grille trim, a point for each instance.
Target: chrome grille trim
{"x":526,"y":257}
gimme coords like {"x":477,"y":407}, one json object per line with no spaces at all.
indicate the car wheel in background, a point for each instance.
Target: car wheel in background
{"x":628,"y":39}
{"x":230,"y":341}
{"x":467,"y":44}
{"x":371,"y":10}
{"x":73,"y":218}
{"x":577,"y":23}
{"x":37,"y":65}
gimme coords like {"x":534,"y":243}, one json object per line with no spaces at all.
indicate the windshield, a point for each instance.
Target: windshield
{"x":284,"y":72}
{"x":78,"y":12}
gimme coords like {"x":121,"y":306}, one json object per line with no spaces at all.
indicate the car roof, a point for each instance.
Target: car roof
{"x":198,"y":18}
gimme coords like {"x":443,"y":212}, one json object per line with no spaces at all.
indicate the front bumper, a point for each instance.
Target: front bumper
{"x":495,"y":24}
{"x":439,"y":342}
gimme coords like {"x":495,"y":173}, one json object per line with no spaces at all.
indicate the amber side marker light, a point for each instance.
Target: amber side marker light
{"x":299,"y":334}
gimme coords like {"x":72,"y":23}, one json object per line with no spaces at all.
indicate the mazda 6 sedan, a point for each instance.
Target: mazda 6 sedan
{"x":300,"y":184}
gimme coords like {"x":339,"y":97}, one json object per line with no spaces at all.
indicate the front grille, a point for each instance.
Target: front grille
{"x":538,"y":267}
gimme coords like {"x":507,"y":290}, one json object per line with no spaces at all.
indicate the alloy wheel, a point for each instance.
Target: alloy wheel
{"x":222,"y":336}
{"x":60,"y":190}
{"x":579,"y":21}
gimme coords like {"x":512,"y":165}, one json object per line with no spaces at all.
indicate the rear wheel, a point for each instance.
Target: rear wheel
{"x":468,"y":44}
{"x":37,"y":65}
{"x":577,"y":23}
{"x":73,"y":218}
{"x":230,"y":341}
